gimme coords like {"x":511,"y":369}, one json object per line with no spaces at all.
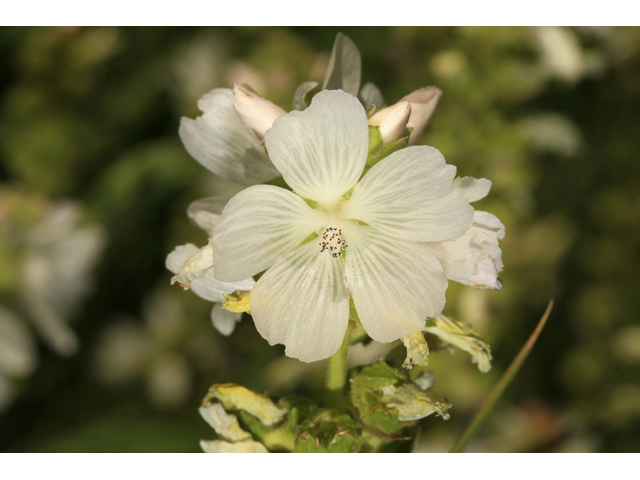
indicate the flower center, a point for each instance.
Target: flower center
{"x":332,"y":242}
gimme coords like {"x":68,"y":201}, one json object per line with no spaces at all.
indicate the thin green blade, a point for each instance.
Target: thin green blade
{"x":502,"y":384}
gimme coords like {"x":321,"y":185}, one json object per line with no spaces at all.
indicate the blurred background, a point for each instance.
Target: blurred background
{"x":99,"y":353}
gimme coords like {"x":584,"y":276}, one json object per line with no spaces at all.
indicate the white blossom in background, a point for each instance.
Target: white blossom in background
{"x":162,"y":351}
{"x":55,"y":255}
{"x":368,"y":238}
{"x":57,"y":272}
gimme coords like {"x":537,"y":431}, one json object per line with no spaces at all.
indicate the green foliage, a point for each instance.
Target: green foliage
{"x":367,"y":397}
{"x":378,"y":151}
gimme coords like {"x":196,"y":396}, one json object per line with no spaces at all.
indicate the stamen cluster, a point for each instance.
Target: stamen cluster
{"x":332,"y":242}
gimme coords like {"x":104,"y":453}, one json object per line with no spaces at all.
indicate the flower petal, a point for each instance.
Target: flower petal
{"x":473,"y":188}
{"x":179,"y":255}
{"x":299,"y":97}
{"x":194,"y":267}
{"x":258,"y":225}
{"x":423,"y":103}
{"x":345,"y":66}
{"x":474,"y":259}
{"x":395,"y":284}
{"x":371,"y":95}
{"x":408,"y":195}
{"x":322,"y":150}
{"x":209,"y":288}
{"x":223,"y":320}
{"x":206,"y":287}
{"x":302,"y":302}
{"x":206,"y":212}
{"x":222,"y":143}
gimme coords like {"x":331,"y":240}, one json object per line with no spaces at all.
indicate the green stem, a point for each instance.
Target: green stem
{"x":502,"y":384}
{"x":337,"y":374}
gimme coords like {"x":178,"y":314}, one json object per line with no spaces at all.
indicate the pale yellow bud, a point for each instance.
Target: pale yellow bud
{"x":256,"y":112}
{"x":464,"y":338}
{"x":413,"y":403}
{"x":237,"y":302}
{"x":392,"y":121}
{"x":236,"y":397}
{"x":417,"y":351}
{"x":423,"y":104}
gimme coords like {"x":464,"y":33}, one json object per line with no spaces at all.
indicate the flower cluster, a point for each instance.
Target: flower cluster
{"x":367,"y":217}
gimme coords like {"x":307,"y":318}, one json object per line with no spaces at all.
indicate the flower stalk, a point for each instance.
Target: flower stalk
{"x":337,"y":374}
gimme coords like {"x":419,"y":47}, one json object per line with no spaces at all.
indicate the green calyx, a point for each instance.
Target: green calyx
{"x":378,"y":150}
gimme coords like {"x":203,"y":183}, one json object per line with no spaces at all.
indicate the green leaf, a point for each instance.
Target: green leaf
{"x":328,"y":432}
{"x":280,"y":438}
{"x":366,"y":396}
{"x":375,"y":142}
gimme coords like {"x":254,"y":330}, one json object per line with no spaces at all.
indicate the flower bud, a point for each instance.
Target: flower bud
{"x":392,"y":121}
{"x":255,"y":111}
{"x":413,"y":403}
{"x":417,"y":350}
{"x":464,"y":338}
{"x":423,"y":104}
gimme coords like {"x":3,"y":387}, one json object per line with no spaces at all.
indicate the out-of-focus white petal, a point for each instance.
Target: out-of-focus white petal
{"x":473,"y":188}
{"x":222,"y":143}
{"x":371,"y":95}
{"x":299,"y":98}
{"x":408,"y":195}
{"x":395,"y":284}
{"x":207,"y":286}
{"x":223,"y":320}
{"x":392,"y":121}
{"x":179,"y":255}
{"x":423,"y":103}
{"x":256,"y":112}
{"x":258,"y":225}
{"x":321,"y":151}
{"x":474,"y":259}
{"x":206,"y":212}
{"x":195,"y":266}
{"x":302,"y":302}
{"x":345,"y":66}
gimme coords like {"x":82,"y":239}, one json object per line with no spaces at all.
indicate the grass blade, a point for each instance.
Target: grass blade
{"x":502,"y":384}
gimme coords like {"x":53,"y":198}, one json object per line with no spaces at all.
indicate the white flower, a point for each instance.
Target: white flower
{"x":367,"y":238}
{"x":223,"y":143}
{"x":206,"y":286}
{"x":193,"y":266}
{"x":474,"y":259}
